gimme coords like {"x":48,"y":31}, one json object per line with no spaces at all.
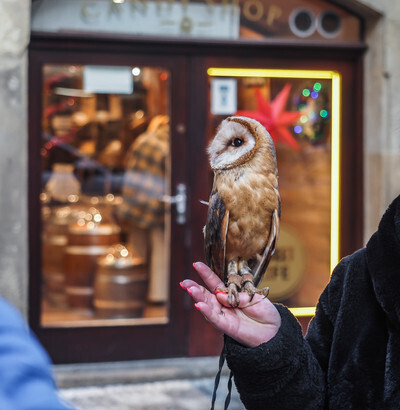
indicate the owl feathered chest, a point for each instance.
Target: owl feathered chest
{"x":250,"y":198}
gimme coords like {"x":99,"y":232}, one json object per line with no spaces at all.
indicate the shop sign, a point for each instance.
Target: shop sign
{"x":139,"y":17}
{"x":218,"y":19}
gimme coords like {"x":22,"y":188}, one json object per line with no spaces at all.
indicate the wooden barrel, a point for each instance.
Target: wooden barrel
{"x":80,"y":266}
{"x":120,"y":289}
{"x":53,"y":248}
{"x":101,"y":235}
{"x":85,"y":246}
{"x":56,"y":223}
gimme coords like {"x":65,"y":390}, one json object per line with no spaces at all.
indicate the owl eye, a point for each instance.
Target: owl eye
{"x":237,"y":142}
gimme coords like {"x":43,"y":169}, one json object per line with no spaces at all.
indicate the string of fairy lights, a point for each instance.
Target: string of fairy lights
{"x":313,"y":102}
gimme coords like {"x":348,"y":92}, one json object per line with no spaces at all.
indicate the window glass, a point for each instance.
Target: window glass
{"x":105,"y":181}
{"x":300,"y":111}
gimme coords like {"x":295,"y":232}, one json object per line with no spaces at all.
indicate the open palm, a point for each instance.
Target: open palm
{"x":251,"y":323}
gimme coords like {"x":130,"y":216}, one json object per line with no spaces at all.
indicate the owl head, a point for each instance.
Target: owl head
{"x":239,"y":140}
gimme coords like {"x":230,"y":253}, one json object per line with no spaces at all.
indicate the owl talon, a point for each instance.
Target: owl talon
{"x":233,"y":295}
{"x":234,"y":287}
{"x":252,"y":290}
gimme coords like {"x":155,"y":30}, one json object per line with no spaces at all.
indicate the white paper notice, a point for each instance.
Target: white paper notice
{"x":107,"y":79}
{"x":223,"y":96}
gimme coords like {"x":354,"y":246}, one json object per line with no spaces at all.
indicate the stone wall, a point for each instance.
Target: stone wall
{"x":14,"y":38}
{"x":381,"y":112}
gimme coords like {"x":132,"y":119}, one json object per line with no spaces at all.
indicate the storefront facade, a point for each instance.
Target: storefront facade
{"x":110,"y":239}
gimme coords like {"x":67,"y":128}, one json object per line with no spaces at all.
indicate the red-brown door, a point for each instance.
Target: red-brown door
{"x":108,"y":204}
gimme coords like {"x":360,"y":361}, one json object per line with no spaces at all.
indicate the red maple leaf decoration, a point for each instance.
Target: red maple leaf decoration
{"x":273,"y":117}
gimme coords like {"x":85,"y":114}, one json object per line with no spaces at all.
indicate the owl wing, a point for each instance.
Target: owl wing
{"x":269,"y":249}
{"x":215,"y":234}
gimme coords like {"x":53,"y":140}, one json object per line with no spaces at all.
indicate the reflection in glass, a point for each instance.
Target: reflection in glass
{"x":105,"y":174}
{"x":300,"y":110}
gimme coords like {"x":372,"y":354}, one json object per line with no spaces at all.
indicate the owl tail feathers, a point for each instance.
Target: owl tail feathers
{"x":269,"y":249}
{"x":217,"y":379}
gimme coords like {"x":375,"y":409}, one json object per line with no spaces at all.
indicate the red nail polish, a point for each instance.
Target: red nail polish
{"x":182,"y":286}
{"x":188,"y":291}
{"x":196,"y":307}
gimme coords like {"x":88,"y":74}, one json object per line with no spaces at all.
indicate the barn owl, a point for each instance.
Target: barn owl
{"x":243,"y":217}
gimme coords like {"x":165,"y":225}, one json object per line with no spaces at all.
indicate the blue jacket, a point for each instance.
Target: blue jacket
{"x":26,"y":380}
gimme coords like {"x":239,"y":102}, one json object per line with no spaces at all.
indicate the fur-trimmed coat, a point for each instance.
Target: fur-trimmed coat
{"x":350,"y":357}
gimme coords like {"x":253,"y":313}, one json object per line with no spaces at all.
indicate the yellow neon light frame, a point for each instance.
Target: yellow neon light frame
{"x":335,"y":143}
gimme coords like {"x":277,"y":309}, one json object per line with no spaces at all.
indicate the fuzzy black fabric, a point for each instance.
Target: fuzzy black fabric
{"x":350,"y":358}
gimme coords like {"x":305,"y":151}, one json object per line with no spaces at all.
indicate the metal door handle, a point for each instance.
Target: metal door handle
{"x":180,"y":202}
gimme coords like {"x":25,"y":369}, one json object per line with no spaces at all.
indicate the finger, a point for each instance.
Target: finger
{"x":208,"y":276}
{"x":187,"y":283}
{"x":253,"y":300}
{"x":192,"y":287}
{"x":244,"y":299}
{"x":215,"y":316}
{"x":200,"y":294}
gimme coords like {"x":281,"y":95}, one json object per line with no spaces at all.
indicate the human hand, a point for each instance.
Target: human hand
{"x":251,"y":323}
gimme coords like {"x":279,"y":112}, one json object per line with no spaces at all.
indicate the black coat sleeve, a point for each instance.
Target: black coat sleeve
{"x":289,"y":371}
{"x":280,"y":374}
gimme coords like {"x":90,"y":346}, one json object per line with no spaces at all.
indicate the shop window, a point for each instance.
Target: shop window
{"x":104,"y":199}
{"x":300,"y":109}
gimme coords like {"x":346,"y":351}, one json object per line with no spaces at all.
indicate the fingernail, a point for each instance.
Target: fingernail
{"x":195,"y":265}
{"x":182,"y":285}
{"x":195,"y":305}
{"x":188,"y":291}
